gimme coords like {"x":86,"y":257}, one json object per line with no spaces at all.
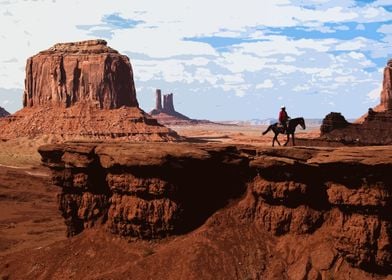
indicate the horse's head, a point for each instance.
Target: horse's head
{"x":302,"y":123}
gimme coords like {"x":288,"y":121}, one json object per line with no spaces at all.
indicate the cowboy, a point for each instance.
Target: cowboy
{"x":283,"y":118}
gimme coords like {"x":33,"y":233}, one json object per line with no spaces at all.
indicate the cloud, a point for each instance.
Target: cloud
{"x":251,"y":52}
{"x":266,"y":84}
{"x":360,"y":27}
{"x":11,"y":60}
{"x":385,"y":28}
{"x":108,"y":24}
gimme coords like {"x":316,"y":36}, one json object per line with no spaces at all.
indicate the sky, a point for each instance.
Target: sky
{"x":222,"y":60}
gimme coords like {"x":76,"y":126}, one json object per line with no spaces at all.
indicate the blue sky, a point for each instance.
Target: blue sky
{"x":223,"y":60}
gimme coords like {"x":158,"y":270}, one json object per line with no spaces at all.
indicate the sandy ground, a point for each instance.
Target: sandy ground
{"x":239,"y":134}
{"x":28,"y":210}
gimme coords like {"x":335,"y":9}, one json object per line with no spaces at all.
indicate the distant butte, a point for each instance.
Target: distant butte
{"x":82,"y":90}
{"x":167,"y":115}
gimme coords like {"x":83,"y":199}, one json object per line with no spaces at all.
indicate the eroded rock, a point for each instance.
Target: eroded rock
{"x":146,"y":191}
{"x":78,"y":91}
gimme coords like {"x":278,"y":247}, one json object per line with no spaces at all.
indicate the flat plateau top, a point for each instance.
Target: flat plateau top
{"x":144,"y":153}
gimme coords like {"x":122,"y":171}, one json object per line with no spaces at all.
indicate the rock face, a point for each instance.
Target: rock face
{"x":333,"y":121}
{"x":334,"y":204}
{"x":158,"y":100}
{"x":386,"y":93}
{"x":374,"y":128}
{"x":82,"y":90}
{"x":3,"y":112}
{"x":88,"y":71}
{"x":168,"y":106}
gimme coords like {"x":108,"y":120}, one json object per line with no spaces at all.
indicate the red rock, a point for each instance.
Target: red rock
{"x":373,"y":128}
{"x":82,"y":90}
{"x":323,"y":257}
{"x":385,"y":96}
{"x":259,"y":227}
{"x":71,"y":73}
{"x":339,"y":198}
{"x":386,"y":93}
{"x":300,"y":269}
{"x":333,"y":121}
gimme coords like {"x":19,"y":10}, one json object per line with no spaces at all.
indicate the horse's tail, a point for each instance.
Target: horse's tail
{"x":268,"y":129}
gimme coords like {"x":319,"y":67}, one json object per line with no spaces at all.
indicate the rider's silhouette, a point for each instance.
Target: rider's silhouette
{"x":283,"y":117}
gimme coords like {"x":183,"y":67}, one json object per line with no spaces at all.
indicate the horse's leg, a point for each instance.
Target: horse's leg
{"x":292,"y":137}
{"x":276,"y":138}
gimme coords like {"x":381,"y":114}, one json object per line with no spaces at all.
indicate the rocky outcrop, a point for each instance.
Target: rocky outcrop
{"x":337,"y":197}
{"x":82,"y":90}
{"x":333,"y":121}
{"x":3,"y":112}
{"x":373,"y":128}
{"x":147,"y":200}
{"x":70,"y":73}
{"x":168,"y":106}
{"x":167,"y":115}
{"x":386,"y":93}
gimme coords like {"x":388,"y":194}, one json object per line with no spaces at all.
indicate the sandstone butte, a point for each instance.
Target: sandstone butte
{"x":209,"y":211}
{"x":374,"y":128}
{"x":82,"y":90}
{"x":167,"y":115}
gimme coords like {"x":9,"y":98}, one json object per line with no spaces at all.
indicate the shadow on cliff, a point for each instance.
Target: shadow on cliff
{"x":202,"y":187}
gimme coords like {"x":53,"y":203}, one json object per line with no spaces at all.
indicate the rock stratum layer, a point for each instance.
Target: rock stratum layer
{"x":81,"y":90}
{"x":290,"y":213}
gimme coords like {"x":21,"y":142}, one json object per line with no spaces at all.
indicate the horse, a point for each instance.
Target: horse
{"x":291,"y":126}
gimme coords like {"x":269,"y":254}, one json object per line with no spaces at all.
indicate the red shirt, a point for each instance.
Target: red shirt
{"x":283,"y":116}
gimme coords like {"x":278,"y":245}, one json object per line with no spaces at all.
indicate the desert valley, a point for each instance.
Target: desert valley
{"x":93,"y":187}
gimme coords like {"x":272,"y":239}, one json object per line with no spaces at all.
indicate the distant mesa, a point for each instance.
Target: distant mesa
{"x":82,"y":90}
{"x":3,"y":112}
{"x":167,"y":115}
{"x":167,"y":110}
{"x":374,"y":128}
